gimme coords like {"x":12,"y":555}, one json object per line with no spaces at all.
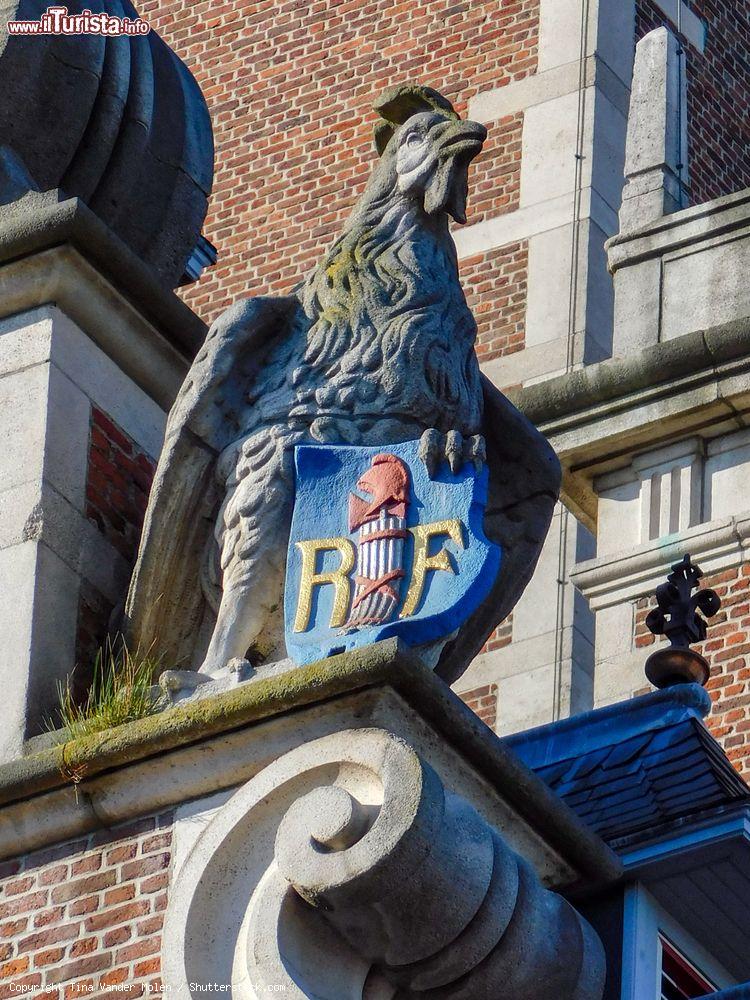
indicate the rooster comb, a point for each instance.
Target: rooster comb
{"x":399,"y":103}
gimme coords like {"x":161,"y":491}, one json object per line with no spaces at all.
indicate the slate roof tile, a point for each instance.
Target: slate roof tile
{"x":627,"y":768}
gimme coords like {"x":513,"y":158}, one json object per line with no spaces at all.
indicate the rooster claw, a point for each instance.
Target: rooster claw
{"x":436,"y":448}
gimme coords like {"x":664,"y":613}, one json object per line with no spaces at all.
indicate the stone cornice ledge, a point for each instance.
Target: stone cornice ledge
{"x":679,"y":229}
{"x":46,"y":777}
{"x":626,"y":576}
{"x":567,"y":400}
{"x":40,"y":222}
{"x":596,"y":418}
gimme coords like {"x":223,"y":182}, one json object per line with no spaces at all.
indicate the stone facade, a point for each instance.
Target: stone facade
{"x":546,"y":191}
{"x":62,"y":554}
{"x":242,"y":834}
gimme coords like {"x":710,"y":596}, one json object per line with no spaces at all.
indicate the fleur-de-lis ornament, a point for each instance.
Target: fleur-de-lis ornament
{"x":677,"y":616}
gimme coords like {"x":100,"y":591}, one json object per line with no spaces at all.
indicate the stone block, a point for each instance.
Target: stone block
{"x":727,"y":472}
{"x":17,"y":574}
{"x":544,"y":694}
{"x":53,"y":640}
{"x":20,"y":513}
{"x":604,"y":168}
{"x":537,"y":613}
{"x":615,"y":36}
{"x":104,"y":382}
{"x":549,"y":286}
{"x":25,"y":339}
{"x":637,"y":310}
{"x":705,"y":289}
{"x":23,"y":412}
{"x":37,"y":638}
{"x":619,"y":523}
{"x":599,"y":302}
{"x":561,"y":32}
{"x":620,"y":678}
{"x":52,"y":372}
{"x":656,"y":147}
{"x":548,"y":167}
{"x":66,"y":442}
{"x":548,"y":316}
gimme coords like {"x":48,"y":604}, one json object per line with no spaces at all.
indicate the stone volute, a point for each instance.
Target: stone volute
{"x":346,"y":869}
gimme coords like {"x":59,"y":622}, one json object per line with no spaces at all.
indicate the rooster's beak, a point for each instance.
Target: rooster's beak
{"x":448,"y":188}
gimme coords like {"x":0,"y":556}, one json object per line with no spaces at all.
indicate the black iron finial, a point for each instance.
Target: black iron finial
{"x":676,"y":616}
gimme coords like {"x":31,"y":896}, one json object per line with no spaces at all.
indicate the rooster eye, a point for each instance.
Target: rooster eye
{"x":413,"y":140}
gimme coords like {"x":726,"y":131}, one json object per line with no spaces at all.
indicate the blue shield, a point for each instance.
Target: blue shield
{"x":379,"y":549}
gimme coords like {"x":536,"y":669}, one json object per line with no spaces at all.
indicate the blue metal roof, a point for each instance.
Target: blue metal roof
{"x":637,"y":765}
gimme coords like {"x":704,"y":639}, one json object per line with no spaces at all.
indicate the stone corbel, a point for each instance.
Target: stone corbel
{"x":347,"y":871}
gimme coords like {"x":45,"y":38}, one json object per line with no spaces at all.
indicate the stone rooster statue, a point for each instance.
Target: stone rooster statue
{"x":375,"y":348}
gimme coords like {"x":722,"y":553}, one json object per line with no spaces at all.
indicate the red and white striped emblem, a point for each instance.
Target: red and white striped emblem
{"x":382,"y":533}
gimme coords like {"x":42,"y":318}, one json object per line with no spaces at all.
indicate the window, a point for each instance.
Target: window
{"x":680,"y":980}
{"x":660,"y":959}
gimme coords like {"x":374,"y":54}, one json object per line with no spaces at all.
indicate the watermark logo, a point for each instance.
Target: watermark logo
{"x":57,"y":21}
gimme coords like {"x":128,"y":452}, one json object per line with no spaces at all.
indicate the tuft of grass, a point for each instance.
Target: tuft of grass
{"x":121,"y":691}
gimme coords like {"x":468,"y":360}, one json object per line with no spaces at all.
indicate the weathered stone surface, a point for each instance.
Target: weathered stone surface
{"x":116,"y":121}
{"x":346,"y":869}
{"x":53,"y":374}
{"x":598,"y":417}
{"x":655,"y":152}
{"x":226,"y":739}
{"x":681,"y":273}
{"x":377,"y":350}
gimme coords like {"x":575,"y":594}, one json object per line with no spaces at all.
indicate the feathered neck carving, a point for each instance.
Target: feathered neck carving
{"x":378,"y":259}
{"x":384,"y":330}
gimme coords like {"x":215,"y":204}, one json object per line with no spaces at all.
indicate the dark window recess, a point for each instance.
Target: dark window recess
{"x":679,"y":977}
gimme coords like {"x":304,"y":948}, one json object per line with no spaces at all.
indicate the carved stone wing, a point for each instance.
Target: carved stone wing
{"x":165,"y":603}
{"x":524,"y":487}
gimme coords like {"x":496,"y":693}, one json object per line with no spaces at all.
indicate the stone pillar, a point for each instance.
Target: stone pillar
{"x":574,"y":119}
{"x":89,"y":365}
{"x":655,"y":172}
{"x":103,"y":197}
{"x":656,"y":148}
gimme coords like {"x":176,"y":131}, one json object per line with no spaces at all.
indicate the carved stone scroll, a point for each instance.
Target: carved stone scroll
{"x":346,"y":870}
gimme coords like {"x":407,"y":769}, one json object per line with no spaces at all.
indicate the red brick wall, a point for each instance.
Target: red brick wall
{"x":118,"y":482}
{"x":79,"y":919}
{"x":718,"y":96}
{"x":496,"y":183}
{"x":119,"y":479}
{"x":501,"y":637}
{"x":290,"y":87}
{"x":727,"y":649}
{"x":483,"y":701}
{"x":495,"y":284}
